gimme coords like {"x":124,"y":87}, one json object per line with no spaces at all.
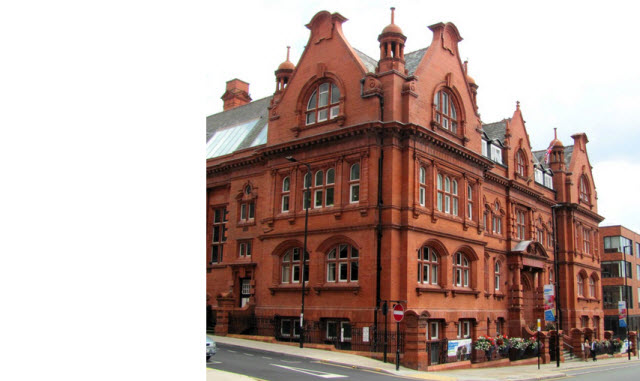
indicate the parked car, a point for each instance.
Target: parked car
{"x":211,"y":348}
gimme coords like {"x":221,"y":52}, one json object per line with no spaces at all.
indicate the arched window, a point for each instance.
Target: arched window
{"x":342,"y":264}
{"x":496,"y":278}
{"x":497,"y":220}
{"x":427,"y":266}
{"x":422,"y":179}
{"x":447,"y":195}
{"x":461,"y":270}
{"x":446,"y":114}
{"x":469,"y":202}
{"x":354,"y":183}
{"x":521,"y":167}
{"x":286,"y":187}
{"x":592,"y":287}
{"x":290,"y":266}
{"x":323,"y":104}
{"x":306,"y":196}
{"x":585,"y":193}
{"x":521,"y":225}
{"x":580,"y":285}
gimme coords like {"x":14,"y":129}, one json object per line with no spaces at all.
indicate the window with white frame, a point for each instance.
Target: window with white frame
{"x":244,"y":249}
{"x":286,"y":188}
{"x":539,"y":236}
{"x":521,"y":167}
{"x":354,"y":183}
{"x":586,"y":241}
{"x":580,"y":285}
{"x":461,"y":270}
{"x":496,"y":154}
{"x":551,"y":276}
{"x":247,"y":211}
{"x":521,"y":226}
{"x":219,"y":233}
{"x":290,"y":266}
{"x":447,"y":195}
{"x":469,"y":202}
{"x":548,"y":181}
{"x":306,"y":191}
{"x":538,"y":176}
{"x":496,"y":276}
{"x":446,"y":114}
{"x":592,"y":287}
{"x":434,"y":328}
{"x":484,"y":148}
{"x":464,"y":329}
{"x":323,"y":188}
{"x":422,"y":179}
{"x":585,"y":193}
{"x":290,"y":327}
{"x":497,"y":220}
{"x":323,"y":104}
{"x":427,"y":266}
{"x":342,"y":264}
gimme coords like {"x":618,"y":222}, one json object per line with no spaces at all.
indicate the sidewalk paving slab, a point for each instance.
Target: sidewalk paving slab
{"x":508,"y":373}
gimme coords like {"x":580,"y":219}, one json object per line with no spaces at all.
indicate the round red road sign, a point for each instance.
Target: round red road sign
{"x":398,"y":312}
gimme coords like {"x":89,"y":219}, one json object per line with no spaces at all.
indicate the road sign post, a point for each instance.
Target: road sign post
{"x":398,"y":314}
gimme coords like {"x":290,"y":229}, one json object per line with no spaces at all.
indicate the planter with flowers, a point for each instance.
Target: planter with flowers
{"x":485,"y":344}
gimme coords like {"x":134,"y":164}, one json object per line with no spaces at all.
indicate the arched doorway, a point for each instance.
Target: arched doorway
{"x":528,"y":298}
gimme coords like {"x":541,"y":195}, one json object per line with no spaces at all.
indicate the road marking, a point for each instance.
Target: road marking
{"x":312,"y":372}
{"x":291,"y":361}
{"x":231,"y":351}
{"x":268,"y":358}
{"x":248,"y":354}
{"x":214,"y":362}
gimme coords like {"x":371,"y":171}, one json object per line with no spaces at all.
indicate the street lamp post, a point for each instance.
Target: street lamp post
{"x":626,"y":296}
{"x":307,"y":199}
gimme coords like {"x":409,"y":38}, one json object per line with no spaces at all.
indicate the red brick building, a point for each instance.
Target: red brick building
{"x":412,"y":197}
{"x":621,"y":258}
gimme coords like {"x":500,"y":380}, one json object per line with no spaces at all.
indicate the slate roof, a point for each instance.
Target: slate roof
{"x":539,"y":156}
{"x":241,"y":127}
{"x":411,"y":60}
{"x":495,"y":131}
{"x":368,"y":62}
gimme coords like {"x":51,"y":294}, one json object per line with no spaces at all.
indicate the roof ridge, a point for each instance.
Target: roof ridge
{"x":243,"y":106}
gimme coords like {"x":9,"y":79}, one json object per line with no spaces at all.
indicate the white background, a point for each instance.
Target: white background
{"x":102,"y":107}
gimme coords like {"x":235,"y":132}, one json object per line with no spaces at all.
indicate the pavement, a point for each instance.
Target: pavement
{"x":506,"y":373}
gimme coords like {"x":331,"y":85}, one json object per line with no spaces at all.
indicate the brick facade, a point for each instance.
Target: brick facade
{"x":424,"y":196}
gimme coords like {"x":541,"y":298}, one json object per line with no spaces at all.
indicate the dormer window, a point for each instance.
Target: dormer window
{"x":548,"y":181}
{"x":496,"y":154}
{"x":446,"y":114}
{"x":538,"y":176}
{"x":323,"y":104}
{"x":484,"y":148}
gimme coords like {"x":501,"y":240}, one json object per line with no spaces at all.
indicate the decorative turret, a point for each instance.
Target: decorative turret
{"x":472,"y":84}
{"x":556,"y":160}
{"x":391,"y":47}
{"x":237,"y":94}
{"x":283,"y":74}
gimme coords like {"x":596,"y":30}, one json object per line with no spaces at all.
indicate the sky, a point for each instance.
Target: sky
{"x":572,"y":65}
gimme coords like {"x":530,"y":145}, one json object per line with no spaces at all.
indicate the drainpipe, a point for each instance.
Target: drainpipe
{"x":379,"y":230}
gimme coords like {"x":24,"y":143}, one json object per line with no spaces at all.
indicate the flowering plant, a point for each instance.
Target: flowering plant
{"x":532,"y":343}
{"x":484,"y":343}
{"x":517,"y":343}
{"x":502,"y":341}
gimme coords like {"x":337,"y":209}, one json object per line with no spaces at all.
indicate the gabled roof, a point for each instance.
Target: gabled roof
{"x":411,"y":60}
{"x":368,"y":62}
{"x":241,"y":127}
{"x":495,"y":131}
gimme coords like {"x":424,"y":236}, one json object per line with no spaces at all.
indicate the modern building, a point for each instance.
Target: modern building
{"x":620,"y":259}
{"x":412,"y":198}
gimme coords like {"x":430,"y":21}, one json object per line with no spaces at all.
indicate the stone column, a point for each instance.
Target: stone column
{"x":415,"y":345}
{"x":225,"y":305}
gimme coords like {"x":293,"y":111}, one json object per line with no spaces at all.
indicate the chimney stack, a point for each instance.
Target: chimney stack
{"x":237,"y":94}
